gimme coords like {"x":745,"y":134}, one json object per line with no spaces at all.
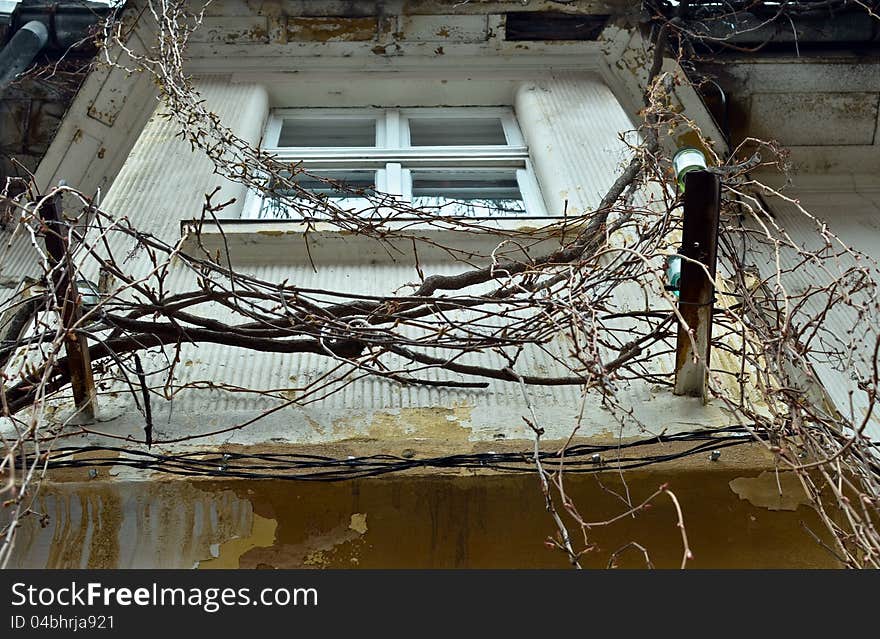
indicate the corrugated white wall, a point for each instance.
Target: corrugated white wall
{"x":851,"y":211}
{"x":164,"y":181}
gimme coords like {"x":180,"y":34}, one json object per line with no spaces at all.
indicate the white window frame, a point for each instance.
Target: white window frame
{"x":393,"y":158}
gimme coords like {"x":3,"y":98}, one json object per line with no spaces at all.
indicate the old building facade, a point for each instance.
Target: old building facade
{"x":518,"y":115}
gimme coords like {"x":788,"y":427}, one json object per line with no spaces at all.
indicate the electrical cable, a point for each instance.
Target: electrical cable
{"x":579,"y":458}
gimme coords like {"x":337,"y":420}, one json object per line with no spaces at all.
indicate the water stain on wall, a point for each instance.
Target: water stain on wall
{"x":114,"y":524}
{"x":496,"y":521}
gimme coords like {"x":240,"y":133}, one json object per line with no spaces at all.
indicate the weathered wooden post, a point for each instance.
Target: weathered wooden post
{"x":67,"y":298}
{"x":702,"y":207}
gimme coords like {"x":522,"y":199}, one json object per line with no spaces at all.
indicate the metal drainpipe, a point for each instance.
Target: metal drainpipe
{"x":21,"y":50}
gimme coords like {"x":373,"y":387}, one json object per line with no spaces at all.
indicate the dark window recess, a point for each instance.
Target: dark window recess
{"x":456,"y":131}
{"x":532,"y":26}
{"x":321,"y":132}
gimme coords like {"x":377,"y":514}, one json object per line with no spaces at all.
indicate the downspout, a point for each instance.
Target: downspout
{"x":53,"y":27}
{"x":21,"y":50}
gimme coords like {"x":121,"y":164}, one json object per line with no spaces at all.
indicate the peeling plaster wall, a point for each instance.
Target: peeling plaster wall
{"x":437,"y":522}
{"x":111,"y":525}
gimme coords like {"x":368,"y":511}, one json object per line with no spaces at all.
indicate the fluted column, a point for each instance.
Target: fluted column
{"x":164,"y":180}
{"x":572,"y":123}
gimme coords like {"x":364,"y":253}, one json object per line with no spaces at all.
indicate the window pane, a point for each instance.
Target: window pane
{"x":469,"y":194}
{"x":347,"y":190}
{"x":331,"y":132}
{"x":456,"y":131}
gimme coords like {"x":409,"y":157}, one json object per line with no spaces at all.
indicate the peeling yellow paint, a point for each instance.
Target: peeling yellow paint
{"x":435,"y":423}
{"x":764,"y":490}
{"x":728,"y":360}
{"x":258,"y":34}
{"x":693,"y":139}
{"x":317,"y":559}
{"x":477,"y":522}
{"x":359,"y":523}
{"x":346,"y":426}
{"x":318,"y":551}
{"x":262,"y":536}
{"x":331,"y":29}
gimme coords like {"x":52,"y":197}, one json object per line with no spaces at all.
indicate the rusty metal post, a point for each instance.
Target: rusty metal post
{"x":67,"y":298}
{"x":702,"y":207}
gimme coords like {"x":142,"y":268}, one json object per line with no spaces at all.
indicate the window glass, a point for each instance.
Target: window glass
{"x":470,"y":194}
{"x":455,"y":161}
{"x":345,"y":189}
{"x":327,"y":132}
{"x":456,"y":131}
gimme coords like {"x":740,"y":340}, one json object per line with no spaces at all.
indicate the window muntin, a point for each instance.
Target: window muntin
{"x":468,"y":161}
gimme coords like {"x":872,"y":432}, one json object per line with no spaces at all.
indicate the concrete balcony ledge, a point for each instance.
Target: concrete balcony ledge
{"x":411,"y":240}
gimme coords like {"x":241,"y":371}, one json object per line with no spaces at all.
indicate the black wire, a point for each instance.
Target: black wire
{"x":306,"y":467}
